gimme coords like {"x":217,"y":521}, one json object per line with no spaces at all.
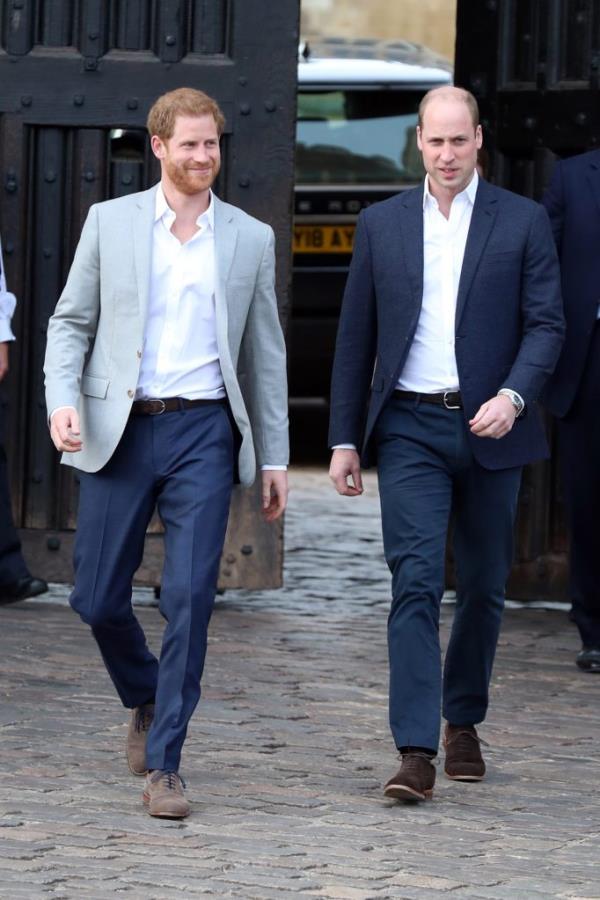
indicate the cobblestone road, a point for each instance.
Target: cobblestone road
{"x":289,"y":748}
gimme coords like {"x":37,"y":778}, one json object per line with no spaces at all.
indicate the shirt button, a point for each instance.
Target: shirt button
{"x":139,"y":354}
{"x":130,"y":393}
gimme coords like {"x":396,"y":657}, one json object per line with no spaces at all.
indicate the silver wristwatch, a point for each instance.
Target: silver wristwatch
{"x":516,"y":399}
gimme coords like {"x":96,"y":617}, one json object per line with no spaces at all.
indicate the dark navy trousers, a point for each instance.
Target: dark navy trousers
{"x":579,"y":447}
{"x":427,"y":473}
{"x":12,"y":564}
{"x":180,"y":462}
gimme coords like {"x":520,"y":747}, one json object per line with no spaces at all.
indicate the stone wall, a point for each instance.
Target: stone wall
{"x":429,"y":22}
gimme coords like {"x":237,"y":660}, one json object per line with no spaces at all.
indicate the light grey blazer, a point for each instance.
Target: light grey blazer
{"x":95,"y":336}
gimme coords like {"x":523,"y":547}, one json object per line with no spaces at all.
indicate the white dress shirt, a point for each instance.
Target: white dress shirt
{"x":430,"y":366}
{"x":8,"y":302}
{"x":180,"y":356}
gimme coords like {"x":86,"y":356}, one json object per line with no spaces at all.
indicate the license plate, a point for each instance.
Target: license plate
{"x":323,"y":238}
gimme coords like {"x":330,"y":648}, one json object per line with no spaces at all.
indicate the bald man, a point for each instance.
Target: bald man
{"x":450,"y":326}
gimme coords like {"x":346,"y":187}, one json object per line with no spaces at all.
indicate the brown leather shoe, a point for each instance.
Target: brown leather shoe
{"x":464,"y":761}
{"x":139,"y":725}
{"x":414,"y":779}
{"x":163,"y":795}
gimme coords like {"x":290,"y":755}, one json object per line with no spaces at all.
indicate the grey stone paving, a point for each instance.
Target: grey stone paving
{"x":289,"y":748}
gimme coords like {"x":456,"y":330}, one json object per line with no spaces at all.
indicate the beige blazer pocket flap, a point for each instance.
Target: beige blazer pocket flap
{"x":92,"y":386}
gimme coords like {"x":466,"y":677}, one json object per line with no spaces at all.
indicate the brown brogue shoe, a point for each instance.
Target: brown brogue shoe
{"x":163,"y":795}
{"x":464,"y":761}
{"x":414,"y":780}
{"x":139,"y":725}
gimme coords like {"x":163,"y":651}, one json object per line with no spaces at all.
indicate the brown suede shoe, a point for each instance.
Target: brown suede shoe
{"x":141,"y":720}
{"x":464,"y":761}
{"x":163,"y":795}
{"x":414,"y":779}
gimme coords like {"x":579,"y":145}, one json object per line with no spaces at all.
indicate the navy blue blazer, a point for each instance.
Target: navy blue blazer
{"x":509,"y":321}
{"x":573,"y":204}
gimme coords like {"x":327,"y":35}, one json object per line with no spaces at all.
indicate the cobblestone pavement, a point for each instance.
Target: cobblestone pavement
{"x":289,"y":748}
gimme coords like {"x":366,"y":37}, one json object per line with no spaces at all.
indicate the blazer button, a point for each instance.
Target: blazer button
{"x":130,"y":393}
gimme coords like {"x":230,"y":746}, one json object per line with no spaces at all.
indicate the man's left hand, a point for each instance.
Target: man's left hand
{"x":274,"y":493}
{"x":494,"y":419}
{"x":3,"y":359}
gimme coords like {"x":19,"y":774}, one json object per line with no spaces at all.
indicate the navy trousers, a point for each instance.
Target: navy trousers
{"x":579,"y":450}
{"x":12,"y":564}
{"x":426,"y":473}
{"x":181,"y":463}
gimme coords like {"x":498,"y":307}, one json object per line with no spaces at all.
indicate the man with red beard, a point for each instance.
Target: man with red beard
{"x":165,"y":383}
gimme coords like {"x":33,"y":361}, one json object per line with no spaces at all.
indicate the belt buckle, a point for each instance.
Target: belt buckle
{"x":160,"y":411}
{"x":445,"y":400}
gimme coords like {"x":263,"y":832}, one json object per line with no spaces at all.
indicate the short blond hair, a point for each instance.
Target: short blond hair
{"x":450,"y":93}
{"x":181,"y":102}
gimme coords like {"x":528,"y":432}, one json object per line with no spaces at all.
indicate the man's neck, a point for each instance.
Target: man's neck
{"x":187,"y":207}
{"x":445,"y":197}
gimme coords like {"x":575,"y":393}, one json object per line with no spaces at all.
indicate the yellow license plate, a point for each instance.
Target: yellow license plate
{"x":323,"y":238}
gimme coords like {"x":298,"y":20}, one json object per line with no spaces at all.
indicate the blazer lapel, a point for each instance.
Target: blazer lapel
{"x":143,"y":224}
{"x":482,"y":222}
{"x":225,"y":240}
{"x":410,"y":224}
{"x":226,"y":233}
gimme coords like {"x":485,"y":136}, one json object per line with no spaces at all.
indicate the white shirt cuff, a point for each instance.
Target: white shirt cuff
{"x":59,"y":408}
{"x":344,"y":447}
{"x":273,"y":468}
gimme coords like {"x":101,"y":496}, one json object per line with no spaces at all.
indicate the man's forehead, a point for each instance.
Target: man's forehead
{"x":205,"y":122}
{"x":447,"y":113}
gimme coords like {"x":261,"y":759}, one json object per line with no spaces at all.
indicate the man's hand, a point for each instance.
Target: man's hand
{"x":64,"y":430}
{"x":274,"y":493}
{"x":3,"y":359}
{"x":346,"y":464}
{"x":494,"y":419}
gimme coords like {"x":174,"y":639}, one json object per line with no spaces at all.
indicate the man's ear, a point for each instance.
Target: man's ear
{"x":158,"y":148}
{"x":419,"y":139}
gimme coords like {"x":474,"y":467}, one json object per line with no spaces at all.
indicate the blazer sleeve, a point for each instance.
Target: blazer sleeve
{"x":542,"y":318}
{"x":355,"y":348}
{"x":72,"y":326}
{"x":263,"y":359}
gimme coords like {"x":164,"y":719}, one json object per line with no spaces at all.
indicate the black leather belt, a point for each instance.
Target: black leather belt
{"x":448,"y":399}
{"x":168,"y":404}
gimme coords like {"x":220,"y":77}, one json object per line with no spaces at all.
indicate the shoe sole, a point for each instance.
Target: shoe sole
{"x":5,"y":600}
{"x":464,"y":777}
{"x":165,"y":815}
{"x":402,"y":792}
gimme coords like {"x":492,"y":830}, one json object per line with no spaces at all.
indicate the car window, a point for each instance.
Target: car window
{"x":357,"y":137}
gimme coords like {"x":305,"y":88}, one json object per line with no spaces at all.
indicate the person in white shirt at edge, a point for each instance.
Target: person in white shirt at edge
{"x":451,"y":323}
{"x":16,"y":581}
{"x":165,"y":383}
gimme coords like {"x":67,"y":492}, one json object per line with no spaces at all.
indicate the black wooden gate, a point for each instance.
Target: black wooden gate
{"x":77,"y":78}
{"x":534,"y":66}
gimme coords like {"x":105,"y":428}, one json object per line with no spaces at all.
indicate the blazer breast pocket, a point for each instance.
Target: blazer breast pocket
{"x":501,"y":257}
{"x":241,"y":283}
{"x":93,"y":386}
